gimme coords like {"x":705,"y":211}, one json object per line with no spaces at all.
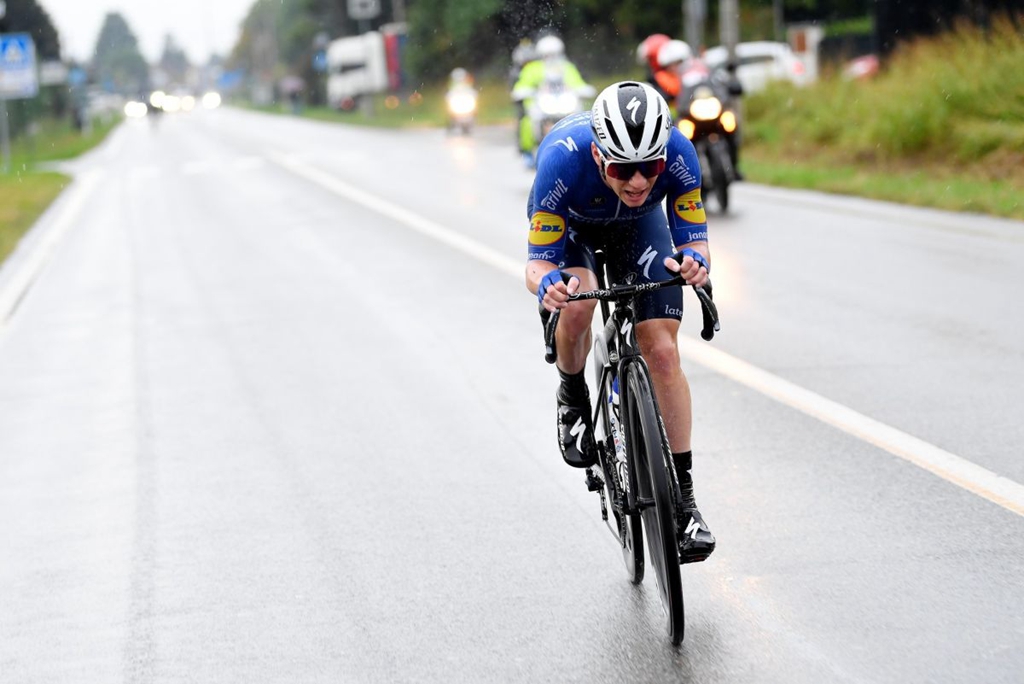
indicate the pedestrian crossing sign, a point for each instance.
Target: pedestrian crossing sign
{"x":18,"y":77}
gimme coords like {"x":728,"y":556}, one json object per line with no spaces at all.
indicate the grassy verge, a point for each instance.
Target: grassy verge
{"x":26,"y":190}
{"x":921,"y":185}
{"x":934,"y":129}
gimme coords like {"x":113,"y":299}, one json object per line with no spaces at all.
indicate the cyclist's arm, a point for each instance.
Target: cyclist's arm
{"x":549,"y":214}
{"x":687,"y":219}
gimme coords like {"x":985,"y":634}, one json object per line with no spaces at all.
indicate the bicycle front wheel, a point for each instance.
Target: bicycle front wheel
{"x":648,"y":453}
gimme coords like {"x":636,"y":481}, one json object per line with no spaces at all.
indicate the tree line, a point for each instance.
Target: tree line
{"x":281,"y":36}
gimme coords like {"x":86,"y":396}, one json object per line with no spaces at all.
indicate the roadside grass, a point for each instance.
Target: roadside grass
{"x":942,"y":126}
{"x":27,"y":190}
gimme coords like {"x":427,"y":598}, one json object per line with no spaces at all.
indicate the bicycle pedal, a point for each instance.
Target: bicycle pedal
{"x":693,"y":558}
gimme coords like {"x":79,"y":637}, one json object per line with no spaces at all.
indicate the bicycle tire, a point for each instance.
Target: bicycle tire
{"x":630,"y":534}
{"x":647,"y":447}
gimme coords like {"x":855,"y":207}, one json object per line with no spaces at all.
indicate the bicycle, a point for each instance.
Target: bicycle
{"x":634,"y":474}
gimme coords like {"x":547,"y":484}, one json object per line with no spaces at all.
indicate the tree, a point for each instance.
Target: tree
{"x":28,"y":17}
{"x":173,"y":62}
{"x":117,"y":63}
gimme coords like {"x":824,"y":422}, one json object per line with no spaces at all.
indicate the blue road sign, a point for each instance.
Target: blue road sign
{"x":18,"y":77}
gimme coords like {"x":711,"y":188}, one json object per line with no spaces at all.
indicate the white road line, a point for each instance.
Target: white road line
{"x":950,"y":467}
{"x":28,"y":269}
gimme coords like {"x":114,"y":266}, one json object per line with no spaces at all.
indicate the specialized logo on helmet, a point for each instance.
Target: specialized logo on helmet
{"x":546,"y":229}
{"x":634,"y":106}
{"x":689,"y":207}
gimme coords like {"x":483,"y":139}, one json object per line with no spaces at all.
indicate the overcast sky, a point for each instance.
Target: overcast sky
{"x":200,"y":27}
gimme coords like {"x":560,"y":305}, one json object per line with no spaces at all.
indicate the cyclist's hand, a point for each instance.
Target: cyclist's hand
{"x":555,"y":288}
{"x":690,"y":264}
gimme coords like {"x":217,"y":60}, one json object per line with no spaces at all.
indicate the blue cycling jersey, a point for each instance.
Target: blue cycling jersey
{"x":569,"y":190}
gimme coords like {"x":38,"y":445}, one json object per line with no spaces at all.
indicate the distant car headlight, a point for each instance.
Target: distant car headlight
{"x":211,"y":100}
{"x":135,"y":109}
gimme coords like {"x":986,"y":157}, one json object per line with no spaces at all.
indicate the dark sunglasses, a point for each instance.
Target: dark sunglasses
{"x":623,"y":172}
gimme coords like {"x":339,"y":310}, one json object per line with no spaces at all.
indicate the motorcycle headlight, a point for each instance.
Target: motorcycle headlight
{"x":462,"y":103}
{"x":567,"y":102}
{"x":705,"y":109}
{"x":548,"y":103}
{"x":728,"y":121}
{"x":687,"y":128}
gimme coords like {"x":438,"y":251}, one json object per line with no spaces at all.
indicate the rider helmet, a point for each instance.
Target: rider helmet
{"x":550,"y":47}
{"x":647,"y":51}
{"x":672,"y":52}
{"x":631,"y":123}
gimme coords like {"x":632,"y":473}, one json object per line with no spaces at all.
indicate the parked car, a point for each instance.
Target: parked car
{"x":760,"y":62}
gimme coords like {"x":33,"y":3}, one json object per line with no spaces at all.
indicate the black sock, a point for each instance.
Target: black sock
{"x":573,"y":389}
{"x":683,"y":462}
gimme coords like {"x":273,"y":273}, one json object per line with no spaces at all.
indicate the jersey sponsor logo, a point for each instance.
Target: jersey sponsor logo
{"x":679,"y":169}
{"x":550,"y":201}
{"x":670,"y":311}
{"x":546,"y":229}
{"x":569,"y":144}
{"x":695,"y":235}
{"x":546,"y":255}
{"x":689,"y":208}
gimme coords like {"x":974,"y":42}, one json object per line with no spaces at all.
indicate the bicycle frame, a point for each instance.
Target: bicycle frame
{"x":633,"y":451}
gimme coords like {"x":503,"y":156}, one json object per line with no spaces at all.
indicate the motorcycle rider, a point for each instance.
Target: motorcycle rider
{"x":668,"y":79}
{"x":647,"y":53}
{"x":523,"y":53}
{"x":550,"y":66}
{"x":680,"y":71}
{"x":602,"y":178}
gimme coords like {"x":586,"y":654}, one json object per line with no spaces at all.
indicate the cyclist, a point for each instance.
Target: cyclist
{"x":601,"y":179}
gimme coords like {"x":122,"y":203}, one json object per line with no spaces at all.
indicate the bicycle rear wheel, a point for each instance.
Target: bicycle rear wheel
{"x":648,"y":449}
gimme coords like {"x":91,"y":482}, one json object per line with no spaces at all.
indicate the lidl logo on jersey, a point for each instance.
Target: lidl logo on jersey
{"x":689,"y":207}
{"x":546,"y":229}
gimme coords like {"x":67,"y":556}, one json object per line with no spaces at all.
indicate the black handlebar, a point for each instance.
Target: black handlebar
{"x":620,"y":292}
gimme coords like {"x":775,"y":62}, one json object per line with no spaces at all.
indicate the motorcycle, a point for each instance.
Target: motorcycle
{"x":552,"y":102}
{"x":711,"y":127}
{"x":461,"y":101}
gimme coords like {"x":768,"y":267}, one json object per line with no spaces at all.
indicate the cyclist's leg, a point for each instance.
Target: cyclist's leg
{"x":636,"y":252}
{"x":572,"y":337}
{"x":659,"y":343}
{"x":657,"y":334}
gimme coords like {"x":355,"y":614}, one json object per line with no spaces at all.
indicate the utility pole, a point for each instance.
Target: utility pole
{"x":398,"y":11}
{"x":729,"y":21}
{"x":694,"y":13}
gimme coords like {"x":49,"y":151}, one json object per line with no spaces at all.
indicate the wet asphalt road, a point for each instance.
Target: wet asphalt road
{"x":273,"y":409}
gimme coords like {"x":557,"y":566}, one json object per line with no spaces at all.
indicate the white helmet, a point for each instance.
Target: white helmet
{"x":550,"y":46}
{"x":673,"y":51}
{"x":631,"y":123}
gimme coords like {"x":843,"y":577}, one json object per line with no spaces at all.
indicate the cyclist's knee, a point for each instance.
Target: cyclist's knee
{"x":576,"y":318}
{"x":659,"y":344}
